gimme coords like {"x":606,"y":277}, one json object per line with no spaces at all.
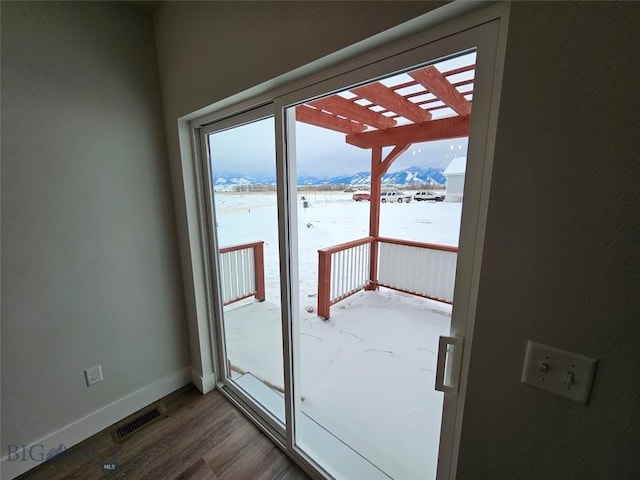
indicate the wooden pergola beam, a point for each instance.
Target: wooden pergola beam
{"x":383,"y":167}
{"x":322,"y":119}
{"x":434,"y":81}
{"x":387,"y":98}
{"x":443,"y":129}
{"x":341,"y":106}
{"x":458,"y":70}
{"x":447,"y":74}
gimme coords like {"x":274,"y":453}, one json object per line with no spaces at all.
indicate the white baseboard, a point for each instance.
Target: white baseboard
{"x":204,"y":383}
{"x":91,"y":424}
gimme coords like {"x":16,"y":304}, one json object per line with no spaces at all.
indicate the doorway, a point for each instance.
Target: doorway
{"x":377,"y":244}
{"x":327,"y":386}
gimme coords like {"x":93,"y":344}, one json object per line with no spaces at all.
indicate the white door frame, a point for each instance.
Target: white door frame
{"x":217,"y":314}
{"x":436,"y":34}
{"x":484,"y":38}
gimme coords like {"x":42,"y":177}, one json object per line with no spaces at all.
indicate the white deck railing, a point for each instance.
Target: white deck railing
{"x":242,"y":272}
{"x":342,"y":271}
{"x":422,"y":269}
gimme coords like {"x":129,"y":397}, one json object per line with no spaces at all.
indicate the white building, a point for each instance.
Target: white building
{"x":455,"y":179}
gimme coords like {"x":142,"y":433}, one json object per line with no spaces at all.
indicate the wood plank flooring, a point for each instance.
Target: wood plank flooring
{"x":203,"y":437}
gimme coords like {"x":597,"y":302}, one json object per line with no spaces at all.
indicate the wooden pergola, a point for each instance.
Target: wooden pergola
{"x":375,"y":116}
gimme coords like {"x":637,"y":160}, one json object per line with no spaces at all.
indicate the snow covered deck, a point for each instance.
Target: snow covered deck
{"x":424,"y":269}
{"x":367,"y":374}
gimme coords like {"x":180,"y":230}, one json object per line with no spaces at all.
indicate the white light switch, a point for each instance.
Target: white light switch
{"x":565,"y":374}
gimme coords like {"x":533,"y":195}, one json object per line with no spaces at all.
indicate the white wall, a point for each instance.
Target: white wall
{"x":455,"y":188}
{"x":90,"y":269}
{"x":559,"y":268}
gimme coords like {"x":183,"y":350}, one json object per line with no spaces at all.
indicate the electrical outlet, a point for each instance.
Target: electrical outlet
{"x":93,"y":375}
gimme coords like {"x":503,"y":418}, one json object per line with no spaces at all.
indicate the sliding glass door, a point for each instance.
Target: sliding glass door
{"x":344,"y":223}
{"x":377,"y":243}
{"x":244,"y":219}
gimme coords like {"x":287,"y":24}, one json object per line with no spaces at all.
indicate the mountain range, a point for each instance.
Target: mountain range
{"x":406,"y":177}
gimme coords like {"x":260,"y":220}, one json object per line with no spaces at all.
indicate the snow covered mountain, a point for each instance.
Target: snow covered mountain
{"x":413,"y":175}
{"x":407,"y":177}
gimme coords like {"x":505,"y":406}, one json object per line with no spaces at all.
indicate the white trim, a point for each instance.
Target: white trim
{"x":288,"y":237}
{"x":211,"y":253}
{"x":481,"y":210}
{"x":196,"y":287}
{"x":204,"y":383}
{"x":208,"y":241}
{"x":97,"y":421}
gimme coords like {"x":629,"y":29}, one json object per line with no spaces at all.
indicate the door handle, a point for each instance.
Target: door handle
{"x":449,"y":364}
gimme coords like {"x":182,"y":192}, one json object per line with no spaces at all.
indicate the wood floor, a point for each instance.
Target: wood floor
{"x":203,"y":437}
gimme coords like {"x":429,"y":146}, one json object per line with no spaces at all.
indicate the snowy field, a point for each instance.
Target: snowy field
{"x":332,"y":218}
{"x":367,"y":374}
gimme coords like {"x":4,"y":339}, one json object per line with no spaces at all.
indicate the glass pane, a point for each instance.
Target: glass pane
{"x":377,"y":254}
{"x":246,"y":219}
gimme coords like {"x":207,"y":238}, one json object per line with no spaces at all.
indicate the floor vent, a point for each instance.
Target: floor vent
{"x":135,"y":423}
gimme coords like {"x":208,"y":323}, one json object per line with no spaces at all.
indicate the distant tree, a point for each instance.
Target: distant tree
{"x":258,"y":187}
{"x":325,"y":187}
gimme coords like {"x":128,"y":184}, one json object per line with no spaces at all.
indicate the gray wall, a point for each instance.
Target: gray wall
{"x":559,"y":268}
{"x":210,"y":50}
{"x":561,"y":262}
{"x":90,"y":264}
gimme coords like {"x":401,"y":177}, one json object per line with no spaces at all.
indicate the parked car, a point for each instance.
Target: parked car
{"x":424,"y":196}
{"x":362,"y":195}
{"x":394,"y":196}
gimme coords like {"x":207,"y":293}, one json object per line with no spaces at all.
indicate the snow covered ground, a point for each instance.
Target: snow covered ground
{"x":331,"y":218}
{"x":367,"y":374}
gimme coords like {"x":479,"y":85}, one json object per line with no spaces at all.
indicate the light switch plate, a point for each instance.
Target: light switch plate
{"x":562,"y":373}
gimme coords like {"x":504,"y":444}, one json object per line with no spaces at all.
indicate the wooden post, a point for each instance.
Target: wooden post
{"x":324,"y":283}
{"x":374,"y":215}
{"x":258,"y":255}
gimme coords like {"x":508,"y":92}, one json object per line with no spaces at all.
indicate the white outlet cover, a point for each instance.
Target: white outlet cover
{"x":562,"y":373}
{"x":93,"y":375}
